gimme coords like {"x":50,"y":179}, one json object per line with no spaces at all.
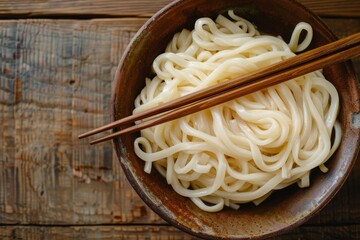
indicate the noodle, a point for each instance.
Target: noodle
{"x":242,"y":150}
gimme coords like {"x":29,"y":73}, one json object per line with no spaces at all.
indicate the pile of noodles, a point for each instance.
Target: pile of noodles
{"x":244,"y":149}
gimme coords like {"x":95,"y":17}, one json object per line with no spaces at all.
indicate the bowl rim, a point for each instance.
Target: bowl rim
{"x":163,"y":214}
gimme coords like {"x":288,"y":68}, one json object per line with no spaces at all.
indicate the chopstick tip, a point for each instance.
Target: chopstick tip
{"x":81,"y":136}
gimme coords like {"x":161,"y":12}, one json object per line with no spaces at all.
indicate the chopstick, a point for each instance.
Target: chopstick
{"x":338,"y":51}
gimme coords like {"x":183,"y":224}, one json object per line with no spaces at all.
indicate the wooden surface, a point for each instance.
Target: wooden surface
{"x":57,"y":62}
{"x":143,"y":8}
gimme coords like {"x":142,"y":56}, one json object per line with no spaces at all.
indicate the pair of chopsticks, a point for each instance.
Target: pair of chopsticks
{"x":335,"y":52}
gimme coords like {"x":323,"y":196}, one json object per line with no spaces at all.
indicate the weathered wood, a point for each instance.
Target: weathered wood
{"x":29,"y":8}
{"x":55,"y":83}
{"x":93,"y":232}
{"x":333,"y":8}
{"x":163,"y":232}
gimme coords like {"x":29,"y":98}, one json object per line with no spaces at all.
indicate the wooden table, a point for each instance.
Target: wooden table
{"x":57,"y":62}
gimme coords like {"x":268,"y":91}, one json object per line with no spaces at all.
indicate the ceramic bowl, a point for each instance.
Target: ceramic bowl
{"x":284,"y":209}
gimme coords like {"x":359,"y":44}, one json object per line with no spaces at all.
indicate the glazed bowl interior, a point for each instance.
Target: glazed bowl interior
{"x":285,"y":208}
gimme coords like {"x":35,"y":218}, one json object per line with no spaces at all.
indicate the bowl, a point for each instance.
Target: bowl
{"x":284,"y":209}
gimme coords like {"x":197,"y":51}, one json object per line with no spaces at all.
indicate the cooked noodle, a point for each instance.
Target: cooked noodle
{"x":242,"y":150}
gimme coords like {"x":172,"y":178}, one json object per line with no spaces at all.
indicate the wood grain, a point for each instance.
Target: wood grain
{"x":334,"y":8}
{"x":162,"y":232}
{"x":55,"y":83}
{"x":29,"y":8}
{"x":93,"y":232}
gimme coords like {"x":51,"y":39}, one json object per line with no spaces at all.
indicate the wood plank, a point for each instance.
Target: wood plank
{"x":49,"y":177}
{"x":81,"y":7}
{"x":333,"y":8}
{"x":55,"y":82}
{"x":141,"y":232}
{"x":29,"y":8}
{"x":161,"y":232}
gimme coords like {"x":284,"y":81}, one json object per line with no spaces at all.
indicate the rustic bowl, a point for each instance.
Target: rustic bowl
{"x":286,"y":208}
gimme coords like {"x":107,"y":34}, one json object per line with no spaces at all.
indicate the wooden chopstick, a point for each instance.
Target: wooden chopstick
{"x":312,"y":60}
{"x":201,"y":94}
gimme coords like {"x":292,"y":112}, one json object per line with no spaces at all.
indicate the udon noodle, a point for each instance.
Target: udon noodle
{"x":242,"y":150}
